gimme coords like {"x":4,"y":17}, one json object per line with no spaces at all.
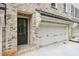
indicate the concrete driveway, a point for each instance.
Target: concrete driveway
{"x":59,"y":49}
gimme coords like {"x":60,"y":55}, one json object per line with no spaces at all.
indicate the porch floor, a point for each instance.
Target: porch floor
{"x":59,"y":49}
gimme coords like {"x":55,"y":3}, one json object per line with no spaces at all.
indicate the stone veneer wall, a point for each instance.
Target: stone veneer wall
{"x":11,"y":22}
{"x":35,"y":21}
{"x":11,"y":26}
{"x":75,"y":32}
{"x":2,"y":13}
{"x":30,"y":7}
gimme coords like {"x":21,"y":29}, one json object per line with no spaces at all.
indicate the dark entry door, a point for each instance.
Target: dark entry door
{"x":22,"y":31}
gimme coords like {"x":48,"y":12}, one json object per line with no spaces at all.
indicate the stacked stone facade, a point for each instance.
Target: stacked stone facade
{"x":12,"y":10}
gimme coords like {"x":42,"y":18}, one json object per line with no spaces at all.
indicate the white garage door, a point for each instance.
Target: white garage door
{"x":52,"y":32}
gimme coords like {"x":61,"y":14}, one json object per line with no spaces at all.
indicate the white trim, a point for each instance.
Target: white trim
{"x":74,"y":12}
{"x":23,"y":16}
{"x":56,"y":5}
{"x":66,"y":8}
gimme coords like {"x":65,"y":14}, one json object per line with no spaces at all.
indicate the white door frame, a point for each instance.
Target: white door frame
{"x":28,"y":18}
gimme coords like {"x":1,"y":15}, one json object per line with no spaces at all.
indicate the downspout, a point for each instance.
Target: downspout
{"x":4,"y":31}
{"x":5,"y":25}
{"x":5,"y":15}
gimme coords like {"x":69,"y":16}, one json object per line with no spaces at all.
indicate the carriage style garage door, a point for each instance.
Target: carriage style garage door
{"x":52,"y":32}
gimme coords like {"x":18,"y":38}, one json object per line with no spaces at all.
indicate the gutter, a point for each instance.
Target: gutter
{"x":44,"y":13}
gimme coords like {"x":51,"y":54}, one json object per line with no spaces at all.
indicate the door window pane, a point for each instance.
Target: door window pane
{"x":22,"y":31}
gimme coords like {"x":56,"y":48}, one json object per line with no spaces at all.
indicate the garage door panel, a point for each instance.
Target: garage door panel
{"x":51,"y":33}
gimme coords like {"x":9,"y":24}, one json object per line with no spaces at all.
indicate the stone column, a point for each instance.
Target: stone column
{"x":35,"y":21}
{"x":2,"y":12}
{"x":0,"y":36}
{"x":11,"y":29}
